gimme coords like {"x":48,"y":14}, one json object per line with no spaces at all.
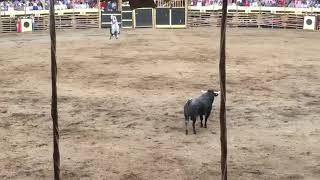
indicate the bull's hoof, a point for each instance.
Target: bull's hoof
{"x":205,"y":126}
{"x":201,"y":125}
{"x":194,"y":132}
{"x":186,"y":132}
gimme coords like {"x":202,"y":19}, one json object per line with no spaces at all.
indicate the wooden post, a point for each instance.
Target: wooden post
{"x":73,"y":19}
{"x":222,"y":72}
{"x":0,"y":21}
{"x":134,"y":18}
{"x":186,"y":4}
{"x":119,"y":5}
{"x":54,"y":108}
{"x":259,"y":15}
{"x":99,"y":13}
{"x":153,"y":18}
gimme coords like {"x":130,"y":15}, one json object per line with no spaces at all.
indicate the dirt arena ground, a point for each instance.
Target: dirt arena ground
{"x":121,"y":105}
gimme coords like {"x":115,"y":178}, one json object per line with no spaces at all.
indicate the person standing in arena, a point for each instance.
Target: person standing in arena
{"x":114,"y":30}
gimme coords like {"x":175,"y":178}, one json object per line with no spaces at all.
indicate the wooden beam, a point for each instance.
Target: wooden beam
{"x":99,"y":9}
{"x":119,"y":5}
{"x":54,"y":106}
{"x":222,"y":72}
{"x":186,"y":12}
{"x":0,"y":21}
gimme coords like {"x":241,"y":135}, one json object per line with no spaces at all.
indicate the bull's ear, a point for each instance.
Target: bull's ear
{"x":203,"y":91}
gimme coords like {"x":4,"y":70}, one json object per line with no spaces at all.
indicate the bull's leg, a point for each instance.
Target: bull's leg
{"x":193,"y":124}
{"x":201,"y":119}
{"x":205,"y":120}
{"x":186,"y":123}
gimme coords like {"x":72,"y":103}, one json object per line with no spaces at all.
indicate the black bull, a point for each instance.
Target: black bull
{"x":200,"y":106}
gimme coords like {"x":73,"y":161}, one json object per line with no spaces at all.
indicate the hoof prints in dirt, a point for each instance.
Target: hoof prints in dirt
{"x":22,"y":119}
{"x":131,"y":176}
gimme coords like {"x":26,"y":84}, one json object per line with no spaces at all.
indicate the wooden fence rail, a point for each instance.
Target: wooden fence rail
{"x":81,"y":19}
{"x":263,"y":20}
{"x":237,"y":17}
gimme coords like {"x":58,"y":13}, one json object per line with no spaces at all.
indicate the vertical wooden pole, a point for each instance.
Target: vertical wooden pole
{"x":153,"y":18}
{"x":119,"y":5}
{"x":73,"y":19}
{"x":186,"y":4}
{"x":54,"y":108}
{"x":259,"y":15}
{"x":0,"y":21}
{"x":99,"y":13}
{"x":134,"y":18}
{"x":222,"y":71}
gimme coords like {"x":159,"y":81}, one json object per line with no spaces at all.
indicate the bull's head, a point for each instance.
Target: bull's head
{"x":211,"y":91}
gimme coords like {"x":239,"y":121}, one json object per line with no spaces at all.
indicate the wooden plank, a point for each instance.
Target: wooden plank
{"x":8,"y":25}
{"x":246,"y":20}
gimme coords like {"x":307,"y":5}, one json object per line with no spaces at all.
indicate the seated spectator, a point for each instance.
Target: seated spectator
{"x":103,"y":5}
{"x":114,"y":6}
{"x":35,"y":6}
{"x":109,"y":6}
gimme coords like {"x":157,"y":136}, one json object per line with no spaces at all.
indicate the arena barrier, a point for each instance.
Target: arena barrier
{"x":127,"y":16}
{"x":65,"y":19}
{"x":167,"y":15}
{"x":260,"y":17}
{"x":161,"y":17}
{"x":170,"y":17}
{"x":171,"y":14}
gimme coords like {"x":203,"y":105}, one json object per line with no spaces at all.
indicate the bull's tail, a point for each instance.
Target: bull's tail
{"x":186,"y":115}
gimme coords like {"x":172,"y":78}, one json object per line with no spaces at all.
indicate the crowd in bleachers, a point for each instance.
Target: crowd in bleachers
{"x":111,"y":5}
{"x":21,"y":5}
{"x":264,"y":3}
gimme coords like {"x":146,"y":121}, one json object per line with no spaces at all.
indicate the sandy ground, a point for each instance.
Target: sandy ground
{"x":121,"y":105}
